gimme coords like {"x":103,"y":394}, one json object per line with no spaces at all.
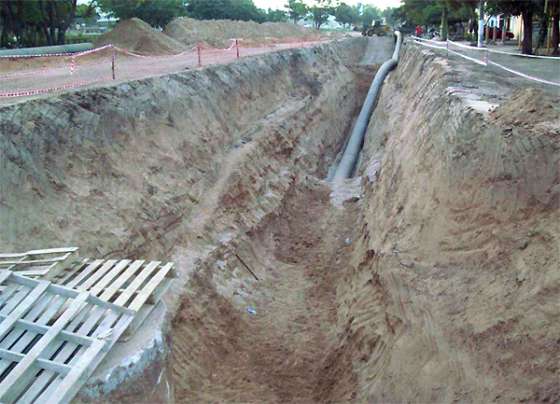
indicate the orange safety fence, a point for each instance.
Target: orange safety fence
{"x":29,"y":75}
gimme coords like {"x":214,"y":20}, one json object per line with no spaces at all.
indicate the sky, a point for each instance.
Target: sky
{"x":275,"y":4}
{"x":279,"y":4}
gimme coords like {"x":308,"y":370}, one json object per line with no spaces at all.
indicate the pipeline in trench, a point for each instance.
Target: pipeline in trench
{"x":389,"y":295}
{"x":278,"y":349}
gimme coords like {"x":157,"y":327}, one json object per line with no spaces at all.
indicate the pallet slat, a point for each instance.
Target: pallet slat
{"x":21,"y":308}
{"x":21,"y":374}
{"x":42,"y":363}
{"x":49,"y":363}
{"x":70,"y":385}
{"x":149,"y":288}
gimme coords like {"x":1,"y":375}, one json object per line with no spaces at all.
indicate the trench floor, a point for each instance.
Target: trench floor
{"x":280,"y":354}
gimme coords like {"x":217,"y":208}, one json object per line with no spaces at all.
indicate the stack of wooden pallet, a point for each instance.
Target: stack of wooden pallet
{"x":136,"y":285}
{"x":35,"y":263}
{"x":55,"y":331}
{"x":52,"y":338}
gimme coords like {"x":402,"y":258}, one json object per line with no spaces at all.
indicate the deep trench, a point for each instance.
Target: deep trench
{"x":283,"y":351}
{"x":278,"y":354}
{"x":435,"y":281}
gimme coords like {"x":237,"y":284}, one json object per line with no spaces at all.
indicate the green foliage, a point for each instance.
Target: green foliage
{"x":276,"y":15}
{"x":296,"y":10}
{"x":320,"y":12}
{"x":527,"y":9}
{"x":369,"y":15}
{"x":514,"y":7}
{"x":87,"y":12}
{"x":156,"y":13}
{"x":345,"y":14}
{"x":35,"y":23}
{"x":391,"y":16}
{"x":244,"y":10}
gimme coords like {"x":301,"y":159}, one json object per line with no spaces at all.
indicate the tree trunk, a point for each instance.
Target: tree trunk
{"x":61,"y":38}
{"x":504,"y":29}
{"x":480,"y":35}
{"x":543,"y":31}
{"x":527,"y":45}
{"x":444,"y":29}
{"x":555,"y":28}
{"x":4,"y":37}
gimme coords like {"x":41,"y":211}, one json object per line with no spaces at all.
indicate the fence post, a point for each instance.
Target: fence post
{"x":199,"y":56}
{"x":237,"y":47}
{"x":113,"y":58}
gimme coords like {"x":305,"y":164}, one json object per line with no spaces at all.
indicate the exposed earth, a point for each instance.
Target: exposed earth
{"x":430,"y":277}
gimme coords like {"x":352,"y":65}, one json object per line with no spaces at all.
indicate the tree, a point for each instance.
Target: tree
{"x":244,"y":10}
{"x":345,"y":14}
{"x":321,"y":12}
{"x":276,"y":15}
{"x":370,"y":14}
{"x":527,"y":9}
{"x":555,"y":14}
{"x":33,"y":23}
{"x":87,"y":12}
{"x":440,"y":12}
{"x":390,"y":16}
{"x":156,"y":13}
{"x":296,"y":10}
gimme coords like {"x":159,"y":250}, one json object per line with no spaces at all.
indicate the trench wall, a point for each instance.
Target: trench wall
{"x":115,"y":170}
{"x":451,"y":291}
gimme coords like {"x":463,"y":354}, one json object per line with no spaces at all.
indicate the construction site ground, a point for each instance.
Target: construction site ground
{"x":430,"y":277}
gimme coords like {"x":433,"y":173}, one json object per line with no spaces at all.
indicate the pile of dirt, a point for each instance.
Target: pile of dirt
{"x":138,"y":36}
{"x":530,"y":109}
{"x":218,"y":33}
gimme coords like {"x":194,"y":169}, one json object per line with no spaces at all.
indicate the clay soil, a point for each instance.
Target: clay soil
{"x":279,"y":353}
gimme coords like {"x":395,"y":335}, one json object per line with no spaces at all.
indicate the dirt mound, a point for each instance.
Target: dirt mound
{"x":138,"y":36}
{"x":219,"y":32}
{"x":531,"y":109}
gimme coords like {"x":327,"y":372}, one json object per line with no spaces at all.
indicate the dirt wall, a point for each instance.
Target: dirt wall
{"x":117,"y":169}
{"x":178,"y":168}
{"x":452,"y":290}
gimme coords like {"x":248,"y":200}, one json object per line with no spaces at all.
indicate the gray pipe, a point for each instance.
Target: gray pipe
{"x":45,"y":50}
{"x":354,"y":146}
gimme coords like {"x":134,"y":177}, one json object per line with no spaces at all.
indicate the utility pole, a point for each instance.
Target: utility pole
{"x":480,"y":24}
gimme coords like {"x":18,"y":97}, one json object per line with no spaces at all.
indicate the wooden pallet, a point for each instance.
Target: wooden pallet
{"x":35,"y":263}
{"x":52,"y":338}
{"x":136,"y":285}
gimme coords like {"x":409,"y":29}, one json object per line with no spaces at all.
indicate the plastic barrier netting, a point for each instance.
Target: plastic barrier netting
{"x":29,"y":75}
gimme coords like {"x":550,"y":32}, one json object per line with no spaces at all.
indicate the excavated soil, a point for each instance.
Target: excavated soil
{"x":138,"y":36}
{"x":218,"y":33}
{"x":430,"y":277}
{"x":277,"y":354}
